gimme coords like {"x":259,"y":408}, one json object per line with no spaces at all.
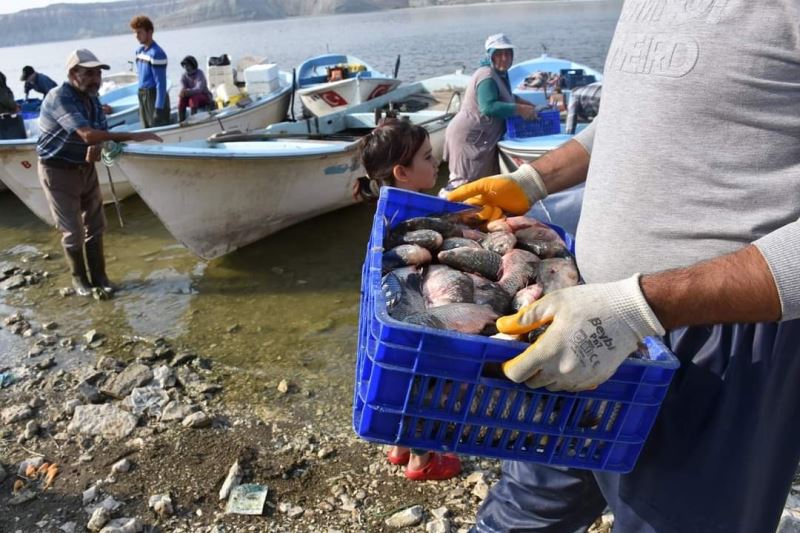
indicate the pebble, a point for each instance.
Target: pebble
{"x":197,"y":420}
{"x":405,"y":518}
{"x":161,"y":504}
{"x":66,"y":291}
{"x":31,"y":430}
{"x":16,"y":413}
{"x":90,"y":495}
{"x":123,"y":525}
{"x":121,"y":466}
{"x":100,"y":517}
{"x":481,"y":490}
{"x":47,"y":363}
{"x":283,"y":386}
{"x":438,"y":526}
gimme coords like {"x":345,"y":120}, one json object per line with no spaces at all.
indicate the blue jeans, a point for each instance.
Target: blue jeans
{"x":720,"y":457}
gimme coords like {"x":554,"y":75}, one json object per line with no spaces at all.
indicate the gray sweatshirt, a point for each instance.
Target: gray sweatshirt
{"x":696,"y":150}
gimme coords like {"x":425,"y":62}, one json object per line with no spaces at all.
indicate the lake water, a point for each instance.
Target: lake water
{"x":430,"y":41}
{"x":293,"y":296}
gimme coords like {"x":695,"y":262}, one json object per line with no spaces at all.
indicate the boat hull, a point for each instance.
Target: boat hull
{"x":327,"y":98}
{"x":19,"y":160}
{"x":215,"y":205}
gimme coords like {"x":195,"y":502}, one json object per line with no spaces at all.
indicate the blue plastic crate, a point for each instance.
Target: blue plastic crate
{"x":548,"y":123}
{"x":440,"y":390}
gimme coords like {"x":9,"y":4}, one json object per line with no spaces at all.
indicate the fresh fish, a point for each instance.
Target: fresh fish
{"x":490,"y":293}
{"x":556,"y":274}
{"x":405,"y":255}
{"x":402,"y":289}
{"x":473,"y":261}
{"x":544,"y":249}
{"x":519,"y":268}
{"x":459,"y":242}
{"x":442,"y":285}
{"x":466,"y":318}
{"x":499,"y":242}
{"x":427,"y":238}
{"x":444,"y":227}
{"x":473,"y":234}
{"x":526,"y":296}
{"x":539,"y":233}
{"x":514,"y":224}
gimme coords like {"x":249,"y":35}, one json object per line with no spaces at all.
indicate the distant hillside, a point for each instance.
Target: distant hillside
{"x":60,"y":22}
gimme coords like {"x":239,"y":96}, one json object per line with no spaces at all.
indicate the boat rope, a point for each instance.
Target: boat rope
{"x":111,"y":151}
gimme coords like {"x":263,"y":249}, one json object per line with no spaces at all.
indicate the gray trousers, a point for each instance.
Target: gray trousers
{"x":75,"y":202}
{"x":149,"y":116}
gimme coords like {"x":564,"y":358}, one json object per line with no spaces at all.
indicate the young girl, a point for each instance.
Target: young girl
{"x":399,"y":154}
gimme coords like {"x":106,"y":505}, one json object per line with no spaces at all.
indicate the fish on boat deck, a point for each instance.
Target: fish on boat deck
{"x":462,"y":317}
{"x":473,"y":261}
{"x":405,"y":255}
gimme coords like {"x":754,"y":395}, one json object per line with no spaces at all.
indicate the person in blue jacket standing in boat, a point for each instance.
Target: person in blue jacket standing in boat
{"x":689,"y":229}
{"x":471,"y":137}
{"x":151,"y":66}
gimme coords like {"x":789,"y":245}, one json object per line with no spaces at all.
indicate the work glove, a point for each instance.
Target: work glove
{"x":592,"y":329}
{"x":512,"y":193}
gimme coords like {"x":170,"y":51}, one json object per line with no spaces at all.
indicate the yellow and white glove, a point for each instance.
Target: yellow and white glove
{"x":592,"y":329}
{"x":512,"y":193}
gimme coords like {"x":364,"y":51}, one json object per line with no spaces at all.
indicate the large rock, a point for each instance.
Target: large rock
{"x":106,"y":420}
{"x":123,"y":383}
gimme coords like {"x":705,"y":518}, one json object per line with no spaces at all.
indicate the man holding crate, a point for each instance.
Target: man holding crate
{"x":690,"y":226}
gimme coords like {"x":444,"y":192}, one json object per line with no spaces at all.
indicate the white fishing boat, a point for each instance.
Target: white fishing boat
{"x":18,"y":159}
{"x":333,"y":82}
{"x":222,"y":194}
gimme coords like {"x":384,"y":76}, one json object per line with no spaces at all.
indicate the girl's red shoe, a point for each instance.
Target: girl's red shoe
{"x":401,"y":459}
{"x":439,"y":467}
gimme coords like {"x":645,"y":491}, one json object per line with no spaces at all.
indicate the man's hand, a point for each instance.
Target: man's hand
{"x":591,"y":330}
{"x":512,"y":193}
{"x":93,"y":153}
{"x":142,"y":136}
{"x":526,"y":111}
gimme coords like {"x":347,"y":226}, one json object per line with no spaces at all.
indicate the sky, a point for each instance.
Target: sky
{"x":12,"y":6}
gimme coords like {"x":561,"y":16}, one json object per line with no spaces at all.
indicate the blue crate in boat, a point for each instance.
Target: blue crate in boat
{"x":442,"y":390}
{"x":548,"y":123}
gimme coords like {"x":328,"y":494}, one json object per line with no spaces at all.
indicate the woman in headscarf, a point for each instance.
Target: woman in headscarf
{"x":11,"y":124}
{"x":472,"y":136}
{"x":194,"y":89}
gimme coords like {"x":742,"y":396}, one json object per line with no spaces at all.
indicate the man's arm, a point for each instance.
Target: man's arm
{"x":563,"y":167}
{"x":737,"y":287}
{"x":93,"y":136}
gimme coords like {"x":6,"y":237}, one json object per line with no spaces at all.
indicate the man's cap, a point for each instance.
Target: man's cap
{"x":27,"y":70}
{"x":84,"y":58}
{"x":498,"y":41}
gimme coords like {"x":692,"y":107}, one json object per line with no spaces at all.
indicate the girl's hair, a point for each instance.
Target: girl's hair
{"x":393,"y":142}
{"x":190,"y":61}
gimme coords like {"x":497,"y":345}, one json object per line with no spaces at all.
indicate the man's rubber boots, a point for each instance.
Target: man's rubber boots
{"x":97,"y":265}
{"x":78,"y":270}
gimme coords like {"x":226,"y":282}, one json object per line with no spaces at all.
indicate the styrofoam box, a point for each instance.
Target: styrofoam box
{"x":221,"y":75}
{"x":262,"y":87}
{"x":261,"y":73}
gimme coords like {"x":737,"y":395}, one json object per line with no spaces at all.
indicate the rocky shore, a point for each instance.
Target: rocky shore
{"x":102,"y":431}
